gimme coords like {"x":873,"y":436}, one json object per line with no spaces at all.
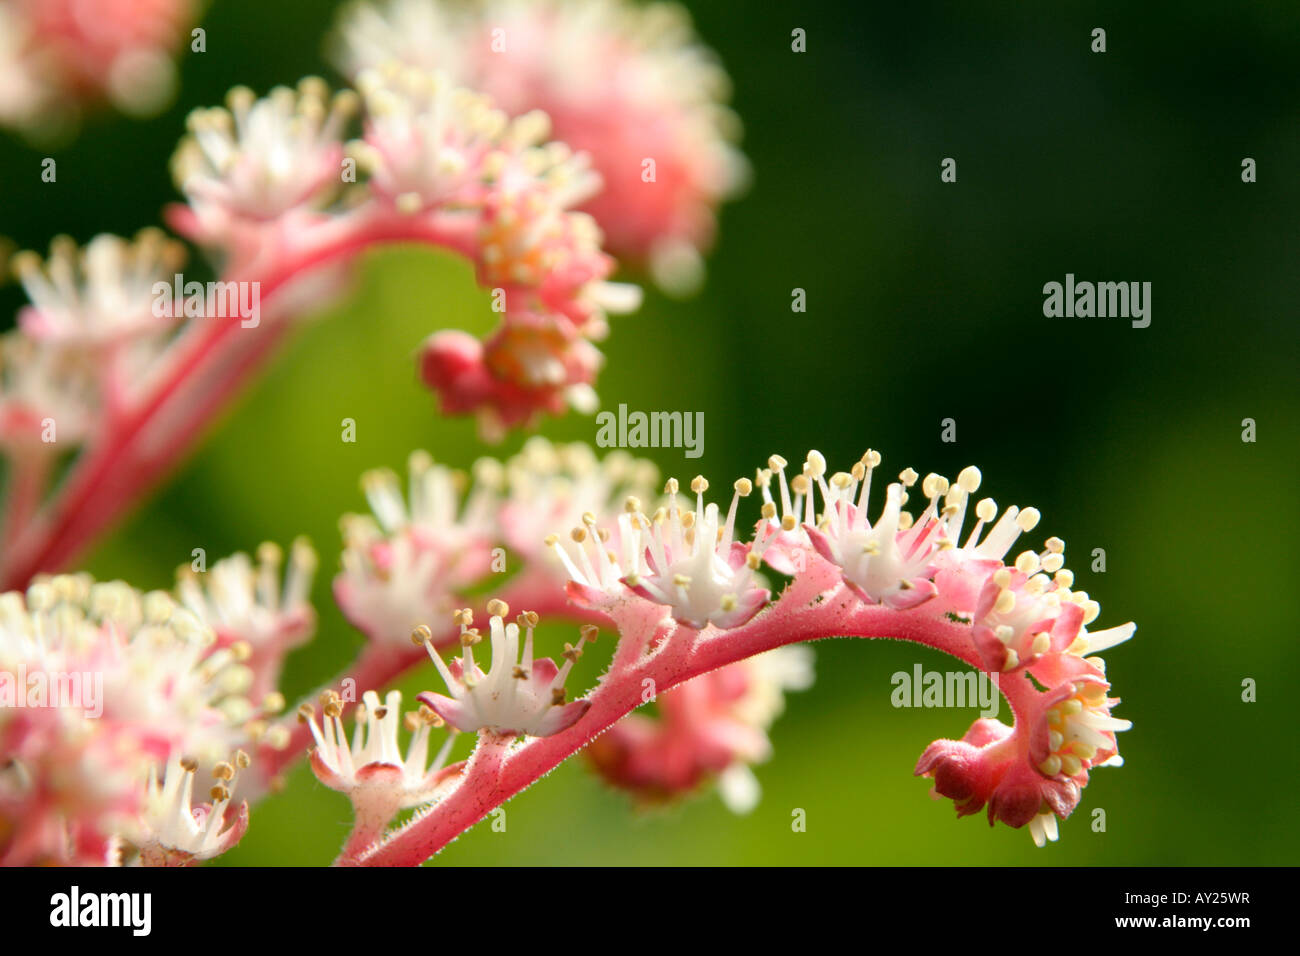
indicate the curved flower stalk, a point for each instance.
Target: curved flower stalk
{"x":628,"y":84}
{"x":272,"y":196}
{"x":59,"y":56}
{"x":104,"y":686}
{"x":676,"y":585}
{"x":906,"y":575}
{"x":712,"y":726}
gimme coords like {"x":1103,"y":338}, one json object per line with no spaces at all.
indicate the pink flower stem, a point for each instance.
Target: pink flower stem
{"x":29,"y":477}
{"x":208,"y":365}
{"x":684,"y":655}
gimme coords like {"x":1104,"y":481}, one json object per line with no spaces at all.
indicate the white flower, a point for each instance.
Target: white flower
{"x":878,"y":563}
{"x":263,"y":157}
{"x":686,"y":560}
{"x":407,"y":564}
{"x":895,"y":559}
{"x":550,"y":486}
{"x":177,"y":833}
{"x":415,"y":32}
{"x":243,"y":602}
{"x":98,"y":296}
{"x":517,"y":695}
{"x":371,"y":770}
{"x":40,"y":385}
{"x":696,"y":567}
{"x":622,"y":81}
{"x":430,"y":143}
{"x":1080,"y":731}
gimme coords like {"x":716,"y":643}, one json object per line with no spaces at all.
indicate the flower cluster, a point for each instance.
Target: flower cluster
{"x":81,"y":345}
{"x":416,"y":560}
{"x":271,"y":181}
{"x":628,"y":84}
{"x":253,"y":169}
{"x":58,"y":55}
{"x":103,"y":686}
{"x":517,"y":696}
{"x":1022,"y":618}
{"x":117,"y":345}
{"x":120,"y":351}
{"x":246,"y":603}
{"x":113,"y":702}
{"x":687,"y":560}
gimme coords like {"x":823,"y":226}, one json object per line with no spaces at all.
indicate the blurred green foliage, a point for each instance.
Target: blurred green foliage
{"x":924,"y":302}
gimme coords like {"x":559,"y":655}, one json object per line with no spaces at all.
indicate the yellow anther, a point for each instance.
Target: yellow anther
{"x":1027,"y":562}
{"x":934,"y":485}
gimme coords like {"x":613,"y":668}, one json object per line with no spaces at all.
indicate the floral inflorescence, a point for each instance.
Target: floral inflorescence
{"x":531,"y":139}
{"x":112,"y":703}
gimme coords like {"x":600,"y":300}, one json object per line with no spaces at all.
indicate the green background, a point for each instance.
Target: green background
{"x":924,"y":303}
